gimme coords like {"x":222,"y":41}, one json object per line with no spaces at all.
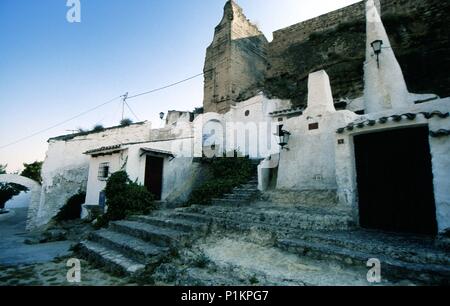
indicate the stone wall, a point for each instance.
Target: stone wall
{"x":235,"y":62}
{"x":418,"y":31}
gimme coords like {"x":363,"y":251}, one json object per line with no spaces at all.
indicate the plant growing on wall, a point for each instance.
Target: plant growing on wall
{"x":125,"y":198}
{"x":126,"y":122}
{"x":226,"y":174}
{"x":3,"y":169}
{"x":8,"y":191}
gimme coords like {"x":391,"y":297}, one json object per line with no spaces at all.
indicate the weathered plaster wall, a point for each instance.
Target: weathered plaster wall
{"x":65,"y":170}
{"x":235,"y":61}
{"x":419,"y":35}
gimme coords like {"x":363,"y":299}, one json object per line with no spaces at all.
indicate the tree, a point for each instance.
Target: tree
{"x":8,"y":191}
{"x":3,"y":169}
{"x":33,"y":171}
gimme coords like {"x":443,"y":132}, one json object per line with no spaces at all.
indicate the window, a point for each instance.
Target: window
{"x":247,"y":113}
{"x":103,"y":171}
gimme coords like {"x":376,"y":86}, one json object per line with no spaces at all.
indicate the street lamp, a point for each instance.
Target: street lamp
{"x":161,"y":115}
{"x":376,"y":46}
{"x":283,"y":137}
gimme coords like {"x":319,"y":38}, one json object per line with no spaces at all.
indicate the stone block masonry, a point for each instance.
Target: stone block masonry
{"x":335,"y":42}
{"x":235,"y":62}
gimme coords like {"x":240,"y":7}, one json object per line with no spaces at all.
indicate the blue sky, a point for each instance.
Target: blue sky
{"x":51,"y":70}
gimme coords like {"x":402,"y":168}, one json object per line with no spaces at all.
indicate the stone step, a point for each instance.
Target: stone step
{"x":427,"y":273}
{"x":160,"y":236}
{"x":245,"y":190}
{"x":194,"y":217}
{"x":283,"y":220}
{"x":112,"y":260}
{"x":402,"y":247}
{"x":239,"y":195}
{"x":171,"y":221}
{"x":230,"y":202}
{"x":132,"y":247}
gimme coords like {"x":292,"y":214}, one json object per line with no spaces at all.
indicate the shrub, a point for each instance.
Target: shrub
{"x":125,"y":198}
{"x":98,"y":128}
{"x":126,"y":122}
{"x":227,"y":173}
{"x":72,"y":209}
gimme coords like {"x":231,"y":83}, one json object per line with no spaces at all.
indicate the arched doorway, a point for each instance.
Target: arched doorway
{"x":34,"y":190}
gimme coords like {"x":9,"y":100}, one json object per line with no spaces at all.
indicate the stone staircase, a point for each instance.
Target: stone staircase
{"x":242,"y":195}
{"x":402,"y":256}
{"x":133,"y":246}
{"x":142,"y":243}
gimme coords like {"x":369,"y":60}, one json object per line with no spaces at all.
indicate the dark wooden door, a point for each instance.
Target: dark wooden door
{"x":154,"y":175}
{"x":395,"y":181}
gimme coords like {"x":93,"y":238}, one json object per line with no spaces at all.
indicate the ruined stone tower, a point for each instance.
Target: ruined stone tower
{"x":235,"y":62}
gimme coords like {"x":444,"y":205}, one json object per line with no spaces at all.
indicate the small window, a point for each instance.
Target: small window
{"x":247,"y":113}
{"x":313,"y":126}
{"x":103,"y":171}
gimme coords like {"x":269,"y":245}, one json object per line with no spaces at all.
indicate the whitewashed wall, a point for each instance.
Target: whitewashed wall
{"x":65,"y":169}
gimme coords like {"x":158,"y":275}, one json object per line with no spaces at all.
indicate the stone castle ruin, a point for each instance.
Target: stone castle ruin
{"x":240,"y":62}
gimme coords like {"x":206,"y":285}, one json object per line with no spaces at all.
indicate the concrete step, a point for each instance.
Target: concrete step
{"x":131,"y":247}
{"x":427,"y":273}
{"x":112,"y":260}
{"x":171,"y":221}
{"x":160,"y":236}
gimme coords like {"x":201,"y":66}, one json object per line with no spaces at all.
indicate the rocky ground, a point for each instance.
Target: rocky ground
{"x":235,"y":260}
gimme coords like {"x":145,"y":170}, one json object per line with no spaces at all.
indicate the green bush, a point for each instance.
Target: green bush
{"x":72,"y":209}
{"x":125,"y":198}
{"x":227,"y":173}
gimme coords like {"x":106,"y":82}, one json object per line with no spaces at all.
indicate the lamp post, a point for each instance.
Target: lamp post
{"x":283,"y":138}
{"x":376,"y":46}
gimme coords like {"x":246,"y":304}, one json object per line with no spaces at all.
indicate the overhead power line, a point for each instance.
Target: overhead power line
{"x":167,"y":86}
{"x":125,"y":98}
{"x":58,"y":124}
